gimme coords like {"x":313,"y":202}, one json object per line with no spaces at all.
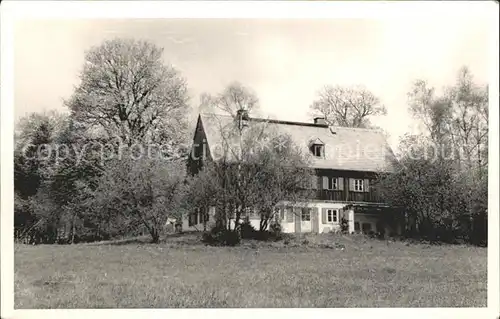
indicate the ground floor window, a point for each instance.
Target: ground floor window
{"x":332,"y":216}
{"x":356,"y":226}
{"x":306,"y":214}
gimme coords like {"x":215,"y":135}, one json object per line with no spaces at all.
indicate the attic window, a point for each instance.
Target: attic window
{"x":318,"y":150}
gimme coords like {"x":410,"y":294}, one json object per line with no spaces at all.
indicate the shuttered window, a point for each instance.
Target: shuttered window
{"x":332,"y":216}
{"x":358,"y":185}
{"x":333,"y":183}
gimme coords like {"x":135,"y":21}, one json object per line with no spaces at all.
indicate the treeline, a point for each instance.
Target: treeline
{"x":441,"y":182}
{"x":115,"y":164}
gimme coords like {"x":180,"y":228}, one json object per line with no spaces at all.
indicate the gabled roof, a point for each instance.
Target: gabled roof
{"x":353,"y":149}
{"x":316,"y":141}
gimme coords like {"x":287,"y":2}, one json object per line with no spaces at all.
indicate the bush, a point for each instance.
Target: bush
{"x":276,"y":231}
{"x":344,"y":225}
{"x":219,"y":236}
{"x":247,"y":230}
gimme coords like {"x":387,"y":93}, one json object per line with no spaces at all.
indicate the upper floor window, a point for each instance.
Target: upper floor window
{"x":359,"y":185}
{"x":333,"y":183}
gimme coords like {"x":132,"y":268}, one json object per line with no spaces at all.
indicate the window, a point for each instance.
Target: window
{"x":332,"y":216}
{"x":358,"y":185}
{"x":306,"y":214}
{"x":317,"y":150}
{"x":333,"y":183}
{"x":356,"y":226}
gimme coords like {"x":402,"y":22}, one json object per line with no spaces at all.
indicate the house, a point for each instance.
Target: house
{"x":345,"y":161}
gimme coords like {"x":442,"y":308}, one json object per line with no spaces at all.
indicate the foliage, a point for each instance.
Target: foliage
{"x":142,"y":192}
{"x":441,"y":180}
{"x":220,"y":236}
{"x":128,"y":92}
{"x":344,"y":225}
{"x":65,"y":165}
{"x":259,"y":168}
{"x":247,"y":230}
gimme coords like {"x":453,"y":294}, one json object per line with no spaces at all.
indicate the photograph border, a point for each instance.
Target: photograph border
{"x":12,"y":11}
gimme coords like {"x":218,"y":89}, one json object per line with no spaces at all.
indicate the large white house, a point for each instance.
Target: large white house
{"x":345,"y":161}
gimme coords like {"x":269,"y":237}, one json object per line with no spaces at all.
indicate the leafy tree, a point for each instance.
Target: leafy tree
{"x":442,"y":179}
{"x":34,"y":165}
{"x":127,"y":91}
{"x":142,"y":191}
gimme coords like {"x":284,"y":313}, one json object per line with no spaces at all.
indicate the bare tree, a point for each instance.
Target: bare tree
{"x":347,"y":106}
{"x":127,"y":91}
{"x":457,"y":120}
{"x":256,"y":168}
{"x":235,"y":97}
{"x":442,"y":182}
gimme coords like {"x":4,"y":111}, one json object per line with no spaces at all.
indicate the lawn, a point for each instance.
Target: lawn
{"x":324,"y":271}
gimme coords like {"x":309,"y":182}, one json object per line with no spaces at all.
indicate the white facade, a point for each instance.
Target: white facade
{"x":328,"y":219}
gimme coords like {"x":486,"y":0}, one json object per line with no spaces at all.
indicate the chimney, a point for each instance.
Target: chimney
{"x":242,"y":114}
{"x":320,"y":120}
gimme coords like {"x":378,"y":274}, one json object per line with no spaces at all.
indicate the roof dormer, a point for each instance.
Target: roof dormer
{"x":317,"y":147}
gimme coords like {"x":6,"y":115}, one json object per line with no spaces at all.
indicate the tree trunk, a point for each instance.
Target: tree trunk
{"x":73,"y":228}
{"x":155,"y":236}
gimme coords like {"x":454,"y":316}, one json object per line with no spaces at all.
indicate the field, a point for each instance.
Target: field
{"x":324,"y":271}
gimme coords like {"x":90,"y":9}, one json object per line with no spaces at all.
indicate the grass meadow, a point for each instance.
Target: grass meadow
{"x":308,"y":271}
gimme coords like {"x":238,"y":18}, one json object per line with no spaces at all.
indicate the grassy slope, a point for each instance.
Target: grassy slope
{"x":183,"y":273}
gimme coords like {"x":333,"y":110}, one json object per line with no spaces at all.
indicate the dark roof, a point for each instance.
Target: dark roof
{"x":354,"y":149}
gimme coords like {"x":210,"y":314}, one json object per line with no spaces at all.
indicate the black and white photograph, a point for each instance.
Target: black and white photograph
{"x":204,"y":158}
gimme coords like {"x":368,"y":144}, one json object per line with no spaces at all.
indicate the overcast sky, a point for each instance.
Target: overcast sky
{"x":284,"y":61}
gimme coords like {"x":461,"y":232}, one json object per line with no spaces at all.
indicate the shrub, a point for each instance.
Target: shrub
{"x":247,"y":230}
{"x":344,"y":225}
{"x":276,"y":231}
{"x":219,"y":236}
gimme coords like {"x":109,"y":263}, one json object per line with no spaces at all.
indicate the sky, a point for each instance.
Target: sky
{"x":285,"y":62}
